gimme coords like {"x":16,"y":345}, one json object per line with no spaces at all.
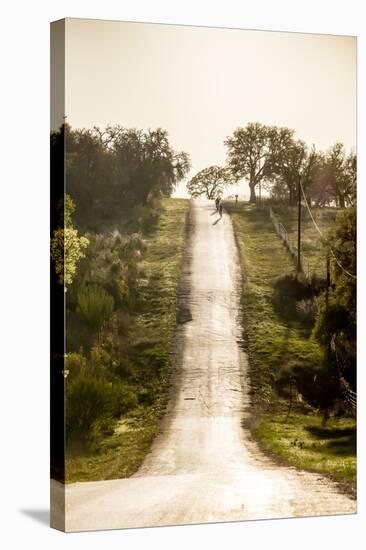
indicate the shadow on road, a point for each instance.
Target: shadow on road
{"x":217,"y":221}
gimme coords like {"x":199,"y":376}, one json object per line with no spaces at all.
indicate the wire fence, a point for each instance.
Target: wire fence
{"x":349,"y":396}
{"x":310,"y":265}
{"x":308,"y":268}
{"x":284,"y":236}
{"x":324,"y":239}
{"x":351,"y":399}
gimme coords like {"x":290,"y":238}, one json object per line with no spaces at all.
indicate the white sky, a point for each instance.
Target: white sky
{"x":201,"y":83}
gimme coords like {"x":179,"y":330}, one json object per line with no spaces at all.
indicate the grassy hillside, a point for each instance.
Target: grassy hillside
{"x":314,"y":257}
{"x":274,"y":339}
{"x":121,"y":451}
{"x":304,"y":442}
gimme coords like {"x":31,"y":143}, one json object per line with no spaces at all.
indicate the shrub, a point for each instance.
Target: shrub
{"x":95,"y":305}
{"x":294,"y":296}
{"x":145,"y":218}
{"x":147,"y":396}
{"x":317,"y":383}
{"x":114,"y":263}
{"x":293,"y":287}
{"x":88,"y":399}
{"x":75,"y":363}
{"x":124,"y":398}
{"x":336,"y":317}
{"x":306,"y":310}
{"x":101,"y":362}
{"x":67,"y":248}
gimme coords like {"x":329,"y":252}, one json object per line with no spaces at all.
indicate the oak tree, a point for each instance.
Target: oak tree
{"x":209,"y":182}
{"x":251,"y":152}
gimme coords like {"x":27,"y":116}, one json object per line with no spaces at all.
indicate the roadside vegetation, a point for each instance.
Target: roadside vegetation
{"x":299,"y":412}
{"x":312,"y":248}
{"x":274,"y":334}
{"x":117,"y":256}
{"x":117,"y":253}
{"x":302,"y":441}
{"x":132,"y":352}
{"x":299,"y":328}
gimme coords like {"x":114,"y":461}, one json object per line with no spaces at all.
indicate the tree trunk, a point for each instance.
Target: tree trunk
{"x":341,"y":201}
{"x":253,"y":198}
{"x":291,"y":196}
{"x":292,"y":186}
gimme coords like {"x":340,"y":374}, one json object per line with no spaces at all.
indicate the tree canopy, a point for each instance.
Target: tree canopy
{"x":67,"y":247}
{"x":252,"y":152}
{"x":271,"y":155}
{"x":293,"y":162}
{"x":335,"y":179}
{"x":117,"y":168}
{"x":209,"y":182}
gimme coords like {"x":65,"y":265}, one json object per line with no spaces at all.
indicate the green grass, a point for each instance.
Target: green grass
{"x":302,"y":441}
{"x":120,"y":453}
{"x":271,"y":340}
{"x":313,"y":251}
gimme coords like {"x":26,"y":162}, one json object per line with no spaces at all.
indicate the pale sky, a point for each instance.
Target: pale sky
{"x":201,"y":83}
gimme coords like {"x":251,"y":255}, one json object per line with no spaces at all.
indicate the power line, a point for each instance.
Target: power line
{"x":322,"y":236}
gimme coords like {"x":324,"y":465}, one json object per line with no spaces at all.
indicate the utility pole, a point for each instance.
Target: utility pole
{"x":298,"y":267}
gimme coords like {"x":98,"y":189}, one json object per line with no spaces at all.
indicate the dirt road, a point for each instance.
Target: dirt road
{"x":203,"y":466}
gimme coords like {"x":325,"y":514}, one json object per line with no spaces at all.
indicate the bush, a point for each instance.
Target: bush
{"x":317,"y":383}
{"x":101,"y":362}
{"x":306,"y":310}
{"x":293,"y":287}
{"x":145,"y":218}
{"x":294,"y":296}
{"x":75,"y":363}
{"x":95,"y":305}
{"x":336,"y":318}
{"x":109,"y":359}
{"x":114,"y":263}
{"x":67,"y":248}
{"x":124,"y":398}
{"x":88,"y":400}
{"x":147,"y":396}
